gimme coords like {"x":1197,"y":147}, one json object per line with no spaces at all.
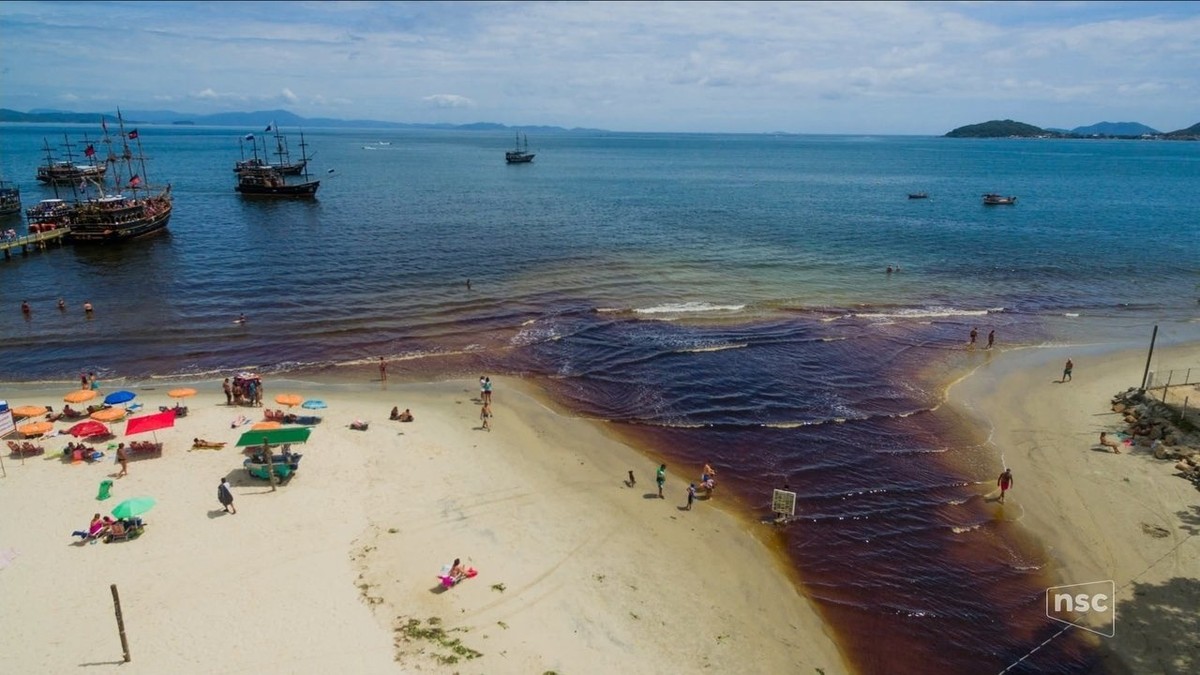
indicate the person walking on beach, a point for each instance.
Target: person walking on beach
{"x":691,"y":494}
{"x":484,"y":413}
{"x":225,"y":496}
{"x":123,"y":460}
{"x":660,"y":477}
{"x":382,"y":370}
{"x":1005,"y":481}
{"x":482,"y":389}
{"x":228,"y":392}
{"x":1067,"y":371}
{"x":974,"y":336}
{"x":487,"y":390}
{"x":991,"y":338}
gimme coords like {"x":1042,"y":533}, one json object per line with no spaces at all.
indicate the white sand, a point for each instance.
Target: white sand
{"x":1102,"y":516}
{"x":596,"y":577}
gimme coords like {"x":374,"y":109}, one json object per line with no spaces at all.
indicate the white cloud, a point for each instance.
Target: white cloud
{"x":449,"y":101}
{"x":715,"y":66}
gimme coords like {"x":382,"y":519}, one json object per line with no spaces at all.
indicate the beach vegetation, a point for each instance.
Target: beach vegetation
{"x":451,"y":648}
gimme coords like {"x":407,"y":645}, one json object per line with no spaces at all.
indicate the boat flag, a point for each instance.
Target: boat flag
{"x":133,"y":134}
{"x":136,"y":180}
{"x":249,"y":137}
{"x":89,"y":151}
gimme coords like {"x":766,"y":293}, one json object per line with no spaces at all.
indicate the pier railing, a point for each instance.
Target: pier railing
{"x":35,"y":241}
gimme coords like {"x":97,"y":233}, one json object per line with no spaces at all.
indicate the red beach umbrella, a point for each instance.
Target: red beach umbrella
{"x":139,"y":425}
{"x":88,"y":428}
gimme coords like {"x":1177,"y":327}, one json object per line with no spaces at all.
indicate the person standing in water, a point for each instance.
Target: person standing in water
{"x":382,"y":370}
{"x":1005,"y":481}
{"x":991,"y":338}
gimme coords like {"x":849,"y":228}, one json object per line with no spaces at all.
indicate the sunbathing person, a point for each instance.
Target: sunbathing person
{"x":1109,"y":443}
{"x":201,"y":443}
{"x":406,"y":416}
{"x":95,"y":529}
{"x":457,"y":571}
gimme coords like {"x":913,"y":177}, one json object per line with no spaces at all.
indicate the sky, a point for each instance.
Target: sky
{"x":726,"y":67}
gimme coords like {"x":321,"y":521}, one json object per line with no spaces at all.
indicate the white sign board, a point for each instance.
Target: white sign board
{"x":6,"y":423}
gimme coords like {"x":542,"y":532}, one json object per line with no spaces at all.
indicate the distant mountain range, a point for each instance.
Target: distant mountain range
{"x":1011,"y":129}
{"x":248,"y":120}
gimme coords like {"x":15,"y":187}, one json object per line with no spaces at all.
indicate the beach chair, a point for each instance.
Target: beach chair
{"x":144,"y":450}
{"x":122,"y":531}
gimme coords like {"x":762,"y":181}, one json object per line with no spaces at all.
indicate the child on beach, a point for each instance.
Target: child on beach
{"x":691,"y":496}
{"x":484,"y":413}
{"x":1109,"y":443}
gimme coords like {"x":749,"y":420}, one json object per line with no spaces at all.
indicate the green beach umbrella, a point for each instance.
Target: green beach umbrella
{"x":133,"y":507}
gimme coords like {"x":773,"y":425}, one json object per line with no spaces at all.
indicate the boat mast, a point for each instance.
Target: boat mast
{"x":304,"y":155}
{"x":50,"y":166}
{"x":111,"y":160}
{"x":126,"y":153}
{"x":281,"y":151}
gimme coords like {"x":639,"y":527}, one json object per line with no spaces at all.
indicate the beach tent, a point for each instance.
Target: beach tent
{"x":274,"y":436}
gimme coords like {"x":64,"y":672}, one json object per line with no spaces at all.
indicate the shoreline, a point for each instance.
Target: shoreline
{"x":578,"y":573}
{"x":1099,"y":515}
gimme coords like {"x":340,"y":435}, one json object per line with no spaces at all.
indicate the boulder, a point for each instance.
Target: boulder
{"x":1118,"y":407}
{"x":1160,"y":450}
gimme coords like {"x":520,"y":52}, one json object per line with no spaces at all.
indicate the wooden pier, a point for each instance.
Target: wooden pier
{"x":38,"y":241}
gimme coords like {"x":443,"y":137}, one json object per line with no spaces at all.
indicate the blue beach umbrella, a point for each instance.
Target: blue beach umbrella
{"x":119,"y":397}
{"x":313,"y":404}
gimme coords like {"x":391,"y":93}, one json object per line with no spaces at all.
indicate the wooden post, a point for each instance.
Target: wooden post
{"x":1168,"y":383}
{"x":120,"y":623}
{"x":1146,"y":372}
{"x":270,"y":465}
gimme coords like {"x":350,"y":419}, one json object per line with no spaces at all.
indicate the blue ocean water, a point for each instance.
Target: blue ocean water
{"x":716,"y":297}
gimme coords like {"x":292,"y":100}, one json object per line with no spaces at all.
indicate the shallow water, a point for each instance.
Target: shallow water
{"x":716,"y":298}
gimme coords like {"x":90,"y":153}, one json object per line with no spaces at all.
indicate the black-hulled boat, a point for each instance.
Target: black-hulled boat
{"x":993,"y":199}
{"x":10,"y":198}
{"x":67,"y":172}
{"x":285,"y":166}
{"x":519,"y":154}
{"x":264,"y":180}
{"x":132,"y":209}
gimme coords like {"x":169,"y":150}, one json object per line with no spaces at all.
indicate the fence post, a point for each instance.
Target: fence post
{"x":1168,"y":383}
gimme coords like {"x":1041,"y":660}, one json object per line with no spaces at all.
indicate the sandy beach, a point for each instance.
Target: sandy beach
{"x":1101,"y":516}
{"x":578,"y":572}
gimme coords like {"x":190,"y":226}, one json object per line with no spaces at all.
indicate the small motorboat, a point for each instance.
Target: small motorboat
{"x":993,"y":199}
{"x":918,"y":195}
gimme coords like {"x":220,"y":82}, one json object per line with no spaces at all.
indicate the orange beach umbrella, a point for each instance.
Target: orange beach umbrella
{"x":79,"y":396}
{"x":108,"y":414}
{"x":35,"y":429}
{"x":289,"y":399}
{"x":29,"y":411}
{"x":182,"y":392}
